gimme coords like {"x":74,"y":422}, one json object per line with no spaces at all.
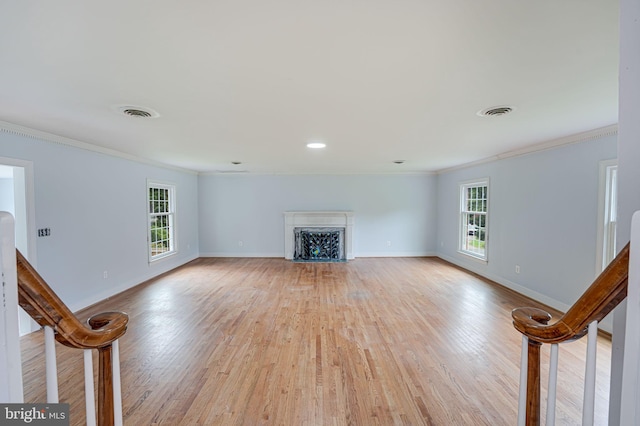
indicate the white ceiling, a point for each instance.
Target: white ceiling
{"x":253,"y":81}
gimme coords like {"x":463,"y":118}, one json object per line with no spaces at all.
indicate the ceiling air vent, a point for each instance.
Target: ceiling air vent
{"x":495,"y":111}
{"x":137,"y":113}
{"x":132,"y":111}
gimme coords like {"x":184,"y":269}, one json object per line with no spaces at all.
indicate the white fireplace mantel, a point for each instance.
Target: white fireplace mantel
{"x":332,"y":219}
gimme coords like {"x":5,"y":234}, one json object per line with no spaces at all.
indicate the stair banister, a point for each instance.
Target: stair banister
{"x":606,"y":292}
{"x":101,"y":332}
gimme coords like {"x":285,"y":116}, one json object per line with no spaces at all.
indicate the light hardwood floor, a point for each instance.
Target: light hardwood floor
{"x":406,"y":341}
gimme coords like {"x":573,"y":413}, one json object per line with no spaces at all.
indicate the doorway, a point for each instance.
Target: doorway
{"x":16,"y":197}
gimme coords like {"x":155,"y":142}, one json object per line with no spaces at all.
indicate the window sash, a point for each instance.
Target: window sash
{"x":473,"y":219}
{"x":161,"y":212}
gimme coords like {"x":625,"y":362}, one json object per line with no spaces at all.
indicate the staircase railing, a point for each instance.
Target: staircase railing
{"x":606,"y":292}
{"x":101,"y":333}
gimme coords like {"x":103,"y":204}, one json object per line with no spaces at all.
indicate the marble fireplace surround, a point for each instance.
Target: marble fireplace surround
{"x":318,"y":219}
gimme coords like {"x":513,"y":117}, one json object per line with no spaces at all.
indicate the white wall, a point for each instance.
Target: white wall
{"x":249,"y":208}
{"x":628,"y":177}
{"x":95,"y":205}
{"x":6,"y":196}
{"x":543,"y":217}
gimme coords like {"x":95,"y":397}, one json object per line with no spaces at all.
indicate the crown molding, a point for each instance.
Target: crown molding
{"x":42,"y":136}
{"x":248,"y":173}
{"x":542,"y":146}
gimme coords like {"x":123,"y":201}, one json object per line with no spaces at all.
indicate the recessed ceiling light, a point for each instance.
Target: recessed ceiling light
{"x":496,"y":111}
{"x":136,"y":111}
{"x":316,"y":145}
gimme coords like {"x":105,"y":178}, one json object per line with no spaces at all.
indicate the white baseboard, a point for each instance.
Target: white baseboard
{"x":605,"y":324}
{"x":397,"y":254}
{"x":357,"y":255}
{"x":539,"y":297}
{"x":229,"y":254}
{"x":130,"y":283}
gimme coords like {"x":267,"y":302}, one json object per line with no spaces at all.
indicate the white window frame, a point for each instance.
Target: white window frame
{"x":607,"y":212}
{"x":169,"y":210}
{"x":463,"y":240}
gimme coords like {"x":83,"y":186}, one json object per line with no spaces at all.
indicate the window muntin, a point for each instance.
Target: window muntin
{"x":474,"y":206}
{"x":161,"y":209}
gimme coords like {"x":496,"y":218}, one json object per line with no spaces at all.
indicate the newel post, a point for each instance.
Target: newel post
{"x":533,"y":383}
{"x":105,"y":386}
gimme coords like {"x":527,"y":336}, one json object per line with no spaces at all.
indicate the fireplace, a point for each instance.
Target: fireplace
{"x":319,"y":245}
{"x":318,"y":236}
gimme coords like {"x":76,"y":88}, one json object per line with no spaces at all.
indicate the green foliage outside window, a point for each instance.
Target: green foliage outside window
{"x":160,"y":226}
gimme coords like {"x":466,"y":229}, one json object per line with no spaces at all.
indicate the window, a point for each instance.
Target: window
{"x":161,"y":207}
{"x":607,"y":213}
{"x":474,"y":200}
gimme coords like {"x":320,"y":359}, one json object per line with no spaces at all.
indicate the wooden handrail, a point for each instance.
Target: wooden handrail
{"x":606,"y":292}
{"x":45,"y":307}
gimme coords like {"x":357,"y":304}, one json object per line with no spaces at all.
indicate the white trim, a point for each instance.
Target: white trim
{"x":603,"y":201}
{"x":225,"y":254}
{"x":11,"y":389}
{"x":539,"y":297}
{"x":314,"y":173}
{"x":43,"y":136}
{"x":155,"y":269}
{"x":151,"y":183}
{"x":89,"y":388}
{"x":535,"y":147}
{"x":31,"y":254}
{"x":228,"y":254}
{"x":471,"y":264}
{"x":588,"y":401}
{"x":552,"y":384}
{"x":310,"y":219}
{"x":542,"y":146}
{"x":522,"y":392}
{"x":27,"y":324}
{"x":461,"y":208}
{"x":397,"y":254}
{"x":629,"y":407}
{"x":51,"y":365}
{"x":117,"y":385}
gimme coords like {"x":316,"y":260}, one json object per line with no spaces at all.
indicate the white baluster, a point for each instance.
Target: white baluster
{"x":522,"y":398}
{"x":588,"y":406}
{"x":50,"y":363}
{"x":117,"y":389}
{"x":553,"y":381}
{"x":89,"y":389}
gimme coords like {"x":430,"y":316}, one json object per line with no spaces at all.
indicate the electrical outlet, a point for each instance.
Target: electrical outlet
{"x":105,"y":275}
{"x":240,"y":243}
{"x":388,"y":243}
{"x":517,"y":269}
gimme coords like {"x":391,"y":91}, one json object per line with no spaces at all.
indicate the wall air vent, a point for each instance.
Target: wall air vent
{"x":495,"y":111}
